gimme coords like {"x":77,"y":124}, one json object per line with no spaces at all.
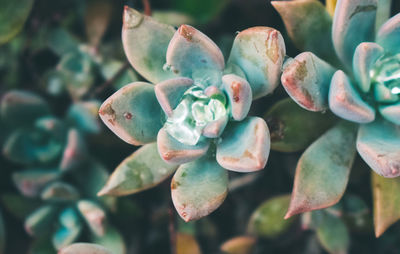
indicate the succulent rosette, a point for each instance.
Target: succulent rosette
{"x":352,"y":67}
{"x":196,"y":112}
{"x":59,"y":180}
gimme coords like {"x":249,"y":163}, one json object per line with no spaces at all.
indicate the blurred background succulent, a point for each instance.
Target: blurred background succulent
{"x":196,"y":111}
{"x":357,"y":79}
{"x":57,"y":59}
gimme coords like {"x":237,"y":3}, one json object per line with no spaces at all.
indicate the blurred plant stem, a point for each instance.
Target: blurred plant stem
{"x":110,"y":81}
{"x":147,"y":7}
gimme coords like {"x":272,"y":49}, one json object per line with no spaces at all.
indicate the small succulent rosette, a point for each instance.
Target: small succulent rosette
{"x":35,"y":137}
{"x":196,"y":111}
{"x":51,"y":151}
{"x":353,"y":76}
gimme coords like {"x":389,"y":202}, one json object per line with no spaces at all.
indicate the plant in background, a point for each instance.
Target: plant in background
{"x":358,"y":80}
{"x":197,"y":111}
{"x":58,"y":175}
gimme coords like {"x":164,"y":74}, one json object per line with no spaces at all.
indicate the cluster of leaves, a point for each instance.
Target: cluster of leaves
{"x":59,"y":60}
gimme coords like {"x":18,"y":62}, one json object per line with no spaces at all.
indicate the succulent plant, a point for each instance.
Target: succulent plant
{"x":52,"y":151}
{"x":196,"y":111}
{"x":344,"y":70}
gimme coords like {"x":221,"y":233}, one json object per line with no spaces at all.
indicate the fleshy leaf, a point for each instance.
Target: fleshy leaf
{"x":85,"y":248}
{"x":59,"y":191}
{"x":306,"y":79}
{"x":239,"y":95}
{"x":386,"y":198}
{"x":323,"y":170}
{"x":40,"y":220}
{"x":175,"y":152}
{"x":346,"y":102}
{"x":391,"y":112}
{"x":186,"y":243}
{"x":244,"y":146}
{"x":364,"y":59}
{"x":112,"y":240}
{"x":198,"y":188}
{"x":239,"y":245}
{"x":12,"y":18}
{"x":268,"y":219}
{"x":75,"y":151}
{"x":383,"y":94}
{"x":191,"y":51}
{"x":145,"y":43}
{"x":142,"y":170}
{"x":293,"y":128}
{"x":133,"y":113}
{"x":353,"y":23}
{"x":378,"y":144}
{"x":21,"y":107}
{"x":389,"y":35}
{"x":169,"y":93}
{"x":259,"y":52}
{"x":333,"y":234}
{"x":383,"y":13}
{"x":94,"y":216}
{"x":308,"y":24}
{"x":31,"y":181}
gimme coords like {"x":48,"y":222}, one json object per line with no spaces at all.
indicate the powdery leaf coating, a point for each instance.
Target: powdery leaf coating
{"x":259,"y":52}
{"x":133,"y":113}
{"x":323,"y":170}
{"x":389,"y":35}
{"x":306,"y":79}
{"x":145,"y":42}
{"x":141,"y":170}
{"x":239,"y":95}
{"x":378,"y":144}
{"x":198,"y":188}
{"x":190,"y":50}
{"x":175,"y":152}
{"x":170,"y":92}
{"x":353,"y":23}
{"x":244,"y":146}
{"x":346,"y":102}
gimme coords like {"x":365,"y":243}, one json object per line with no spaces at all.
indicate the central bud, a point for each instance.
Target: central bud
{"x":193,"y":113}
{"x":386,"y":71}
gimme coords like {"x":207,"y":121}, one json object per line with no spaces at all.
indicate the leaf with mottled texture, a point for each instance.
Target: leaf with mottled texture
{"x":198,"y":188}
{"x":142,"y":170}
{"x":323,"y":170}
